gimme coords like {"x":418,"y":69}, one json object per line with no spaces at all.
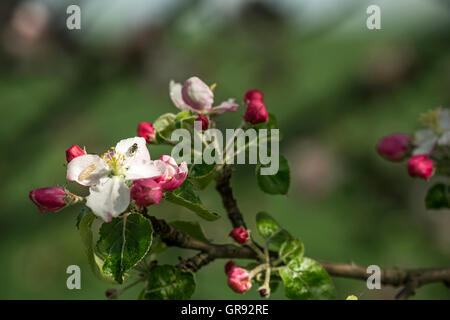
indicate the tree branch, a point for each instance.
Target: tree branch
{"x":224,"y":188}
{"x":409,"y":279}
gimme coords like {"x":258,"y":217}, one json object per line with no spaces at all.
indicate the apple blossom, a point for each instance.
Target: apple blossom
{"x":146,"y":131}
{"x":253,"y":95}
{"x":240,"y":235}
{"x":229,"y":266}
{"x":438,"y":132}
{"x":49,"y":199}
{"x":256,"y":112}
{"x":146,"y":192}
{"x":73,"y":152}
{"x":109,"y":194}
{"x":420,"y":166}
{"x":174,"y":175}
{"x":194,"y":95}
{"x":204,"y":120}
{"x":239,"y":280}
{"x":394,"y":147}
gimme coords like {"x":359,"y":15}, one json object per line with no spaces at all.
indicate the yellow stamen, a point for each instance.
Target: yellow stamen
{"x":431,"y":119}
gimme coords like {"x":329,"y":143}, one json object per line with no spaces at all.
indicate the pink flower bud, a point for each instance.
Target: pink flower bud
{"x":239,"y":280}
{"x":229,"y":266}
{"x":174,"y":175}
{"x":146,"y":192}
{"x":240,"y":235}
{"x":146,"y":131}
{"x":394,"y":147}
{"x":420,"y":166}
{"x":73,"y":152}
{"x":112,"y":293}
{"x":197,"y":94}
{"x":49,"y":199}
{"x":253,"y":95}
{"x":256,"y":112}
{"x":204,"y":120}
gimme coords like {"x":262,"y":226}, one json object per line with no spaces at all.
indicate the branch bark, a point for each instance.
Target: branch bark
{"x":409,"y":279}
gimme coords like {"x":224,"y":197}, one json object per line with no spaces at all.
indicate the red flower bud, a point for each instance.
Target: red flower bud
{"x":48,"y":199}
{"x":146,"y":192}
{"x":394,"y":147}
{"x":253,"y":95}
{"x":73,"y":152}
{"x":146,"y":131}
{"x":420,"y":166}
{"x":256,"y":112}
{"x":239,"y":280}
{"x":240,"y":235}
{"x":112,"y":293}
{"x":229,"y":266}
{"x":204,"y":120}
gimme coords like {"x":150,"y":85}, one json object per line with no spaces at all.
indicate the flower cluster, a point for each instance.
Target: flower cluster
{"x":109,"y":178}
{"x":196,"y":97}
{"x":425,"y":149}
{"x":126,"y":172}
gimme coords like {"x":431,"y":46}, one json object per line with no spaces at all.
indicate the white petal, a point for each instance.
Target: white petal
{"x":444,"y":140}
{"x":424,"y":135}
{"x":87,"y":170}
{"x":228,"y":105}
{"x":134,"y":149}
{"x":444,"y":119}
{"x":147,"y":169}
{"x":176,"y":96}
{"x":109,"y":198}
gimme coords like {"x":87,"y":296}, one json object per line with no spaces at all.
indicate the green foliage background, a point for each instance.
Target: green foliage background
{"x":338,"y":88}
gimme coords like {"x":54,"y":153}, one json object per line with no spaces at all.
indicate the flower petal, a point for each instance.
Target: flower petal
{"x":148,"y":169}
{"x":228,"y":105}
{"x":444,"y":119}
{"x":87,"y":170}
{"x":177,"y":97}
{"x":424,"y":141}
{"x":109,"y":198}
{"x":135,"y":151}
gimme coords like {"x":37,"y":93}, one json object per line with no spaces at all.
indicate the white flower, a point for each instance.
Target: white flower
{"x":194,"y":95}
{"x":438,"y":133}
{"x":109,"y":194}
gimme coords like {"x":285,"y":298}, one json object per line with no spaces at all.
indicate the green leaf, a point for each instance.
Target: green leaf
{"x":81,"y":215}
{"x":270,"y":230}
{"x":192,"y":228}
{"x":291,"y":249}
{"x":202,"y":174}
{"x":164,"y":125}
{"x":85,"y":229}
{"x":437,"y":197}
{"x":123,"y":243}
{"x":305,"y":279}
{"x":169,"y":283}
{"x":185,"y":196}
{"x":277,"y":183}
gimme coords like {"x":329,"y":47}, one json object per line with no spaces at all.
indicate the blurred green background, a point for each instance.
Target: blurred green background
{"x":335,"y":86}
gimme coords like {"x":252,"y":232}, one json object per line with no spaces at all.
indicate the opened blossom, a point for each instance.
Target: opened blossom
{"x":106,"y":176}
{"x":173,"y":175}
{"x":194,"y":95}
{"x":438,"y":132}
{"x":239,"y":280}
